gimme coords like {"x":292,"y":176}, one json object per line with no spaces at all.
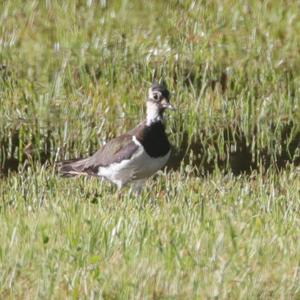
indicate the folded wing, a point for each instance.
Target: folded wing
{"x":115,"y":151}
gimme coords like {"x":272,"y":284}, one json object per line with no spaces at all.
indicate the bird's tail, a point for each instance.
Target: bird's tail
{"x":73,"y":167}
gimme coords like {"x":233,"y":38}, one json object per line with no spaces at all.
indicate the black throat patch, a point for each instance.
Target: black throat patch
{"x":154,"y":139}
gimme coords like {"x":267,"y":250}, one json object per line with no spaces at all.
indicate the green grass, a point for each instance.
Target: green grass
{"x":220,"y":236}
{"x":222,"y":221}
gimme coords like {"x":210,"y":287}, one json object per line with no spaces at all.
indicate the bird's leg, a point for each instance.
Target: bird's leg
{"x":137,"y":186}
{"x":119,"y":188}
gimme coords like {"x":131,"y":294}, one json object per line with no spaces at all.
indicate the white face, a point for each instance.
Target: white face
{"x":160,"y":101}
{"x":153,"y":112}
{"x":154,"y":95}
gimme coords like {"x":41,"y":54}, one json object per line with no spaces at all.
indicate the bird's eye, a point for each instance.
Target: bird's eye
{"x":155,"y":96}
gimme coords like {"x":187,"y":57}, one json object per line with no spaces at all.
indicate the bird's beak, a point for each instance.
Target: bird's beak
{"x":168,"y":105}
{"x":171,"y":107}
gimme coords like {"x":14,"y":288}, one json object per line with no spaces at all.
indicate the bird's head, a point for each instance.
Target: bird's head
{"x":158,"y":101}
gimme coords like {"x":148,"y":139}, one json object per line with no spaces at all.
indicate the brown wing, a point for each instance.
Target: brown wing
{"x":114,"y":151}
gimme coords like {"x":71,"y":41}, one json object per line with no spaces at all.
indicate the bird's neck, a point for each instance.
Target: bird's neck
{"x":153,"y":113}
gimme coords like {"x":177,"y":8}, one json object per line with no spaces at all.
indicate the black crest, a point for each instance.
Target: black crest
{"x":161,"y":87}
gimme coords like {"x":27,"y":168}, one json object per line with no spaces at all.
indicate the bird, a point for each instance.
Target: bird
{"x":134,"y":156}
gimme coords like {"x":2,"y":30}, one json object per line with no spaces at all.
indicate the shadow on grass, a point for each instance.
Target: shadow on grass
{"x":203,"y":154}
{"x":14,"y":153}
{"x":236,"y":155}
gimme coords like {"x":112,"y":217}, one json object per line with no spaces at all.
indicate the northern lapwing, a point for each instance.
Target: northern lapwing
{"x":134,"y":156}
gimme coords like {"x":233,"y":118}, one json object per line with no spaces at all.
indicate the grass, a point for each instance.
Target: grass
{"x":220,"y":236}
{"x":222,"y":221}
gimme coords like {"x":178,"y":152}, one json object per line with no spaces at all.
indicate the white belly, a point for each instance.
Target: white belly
{"x":139,"y":166}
